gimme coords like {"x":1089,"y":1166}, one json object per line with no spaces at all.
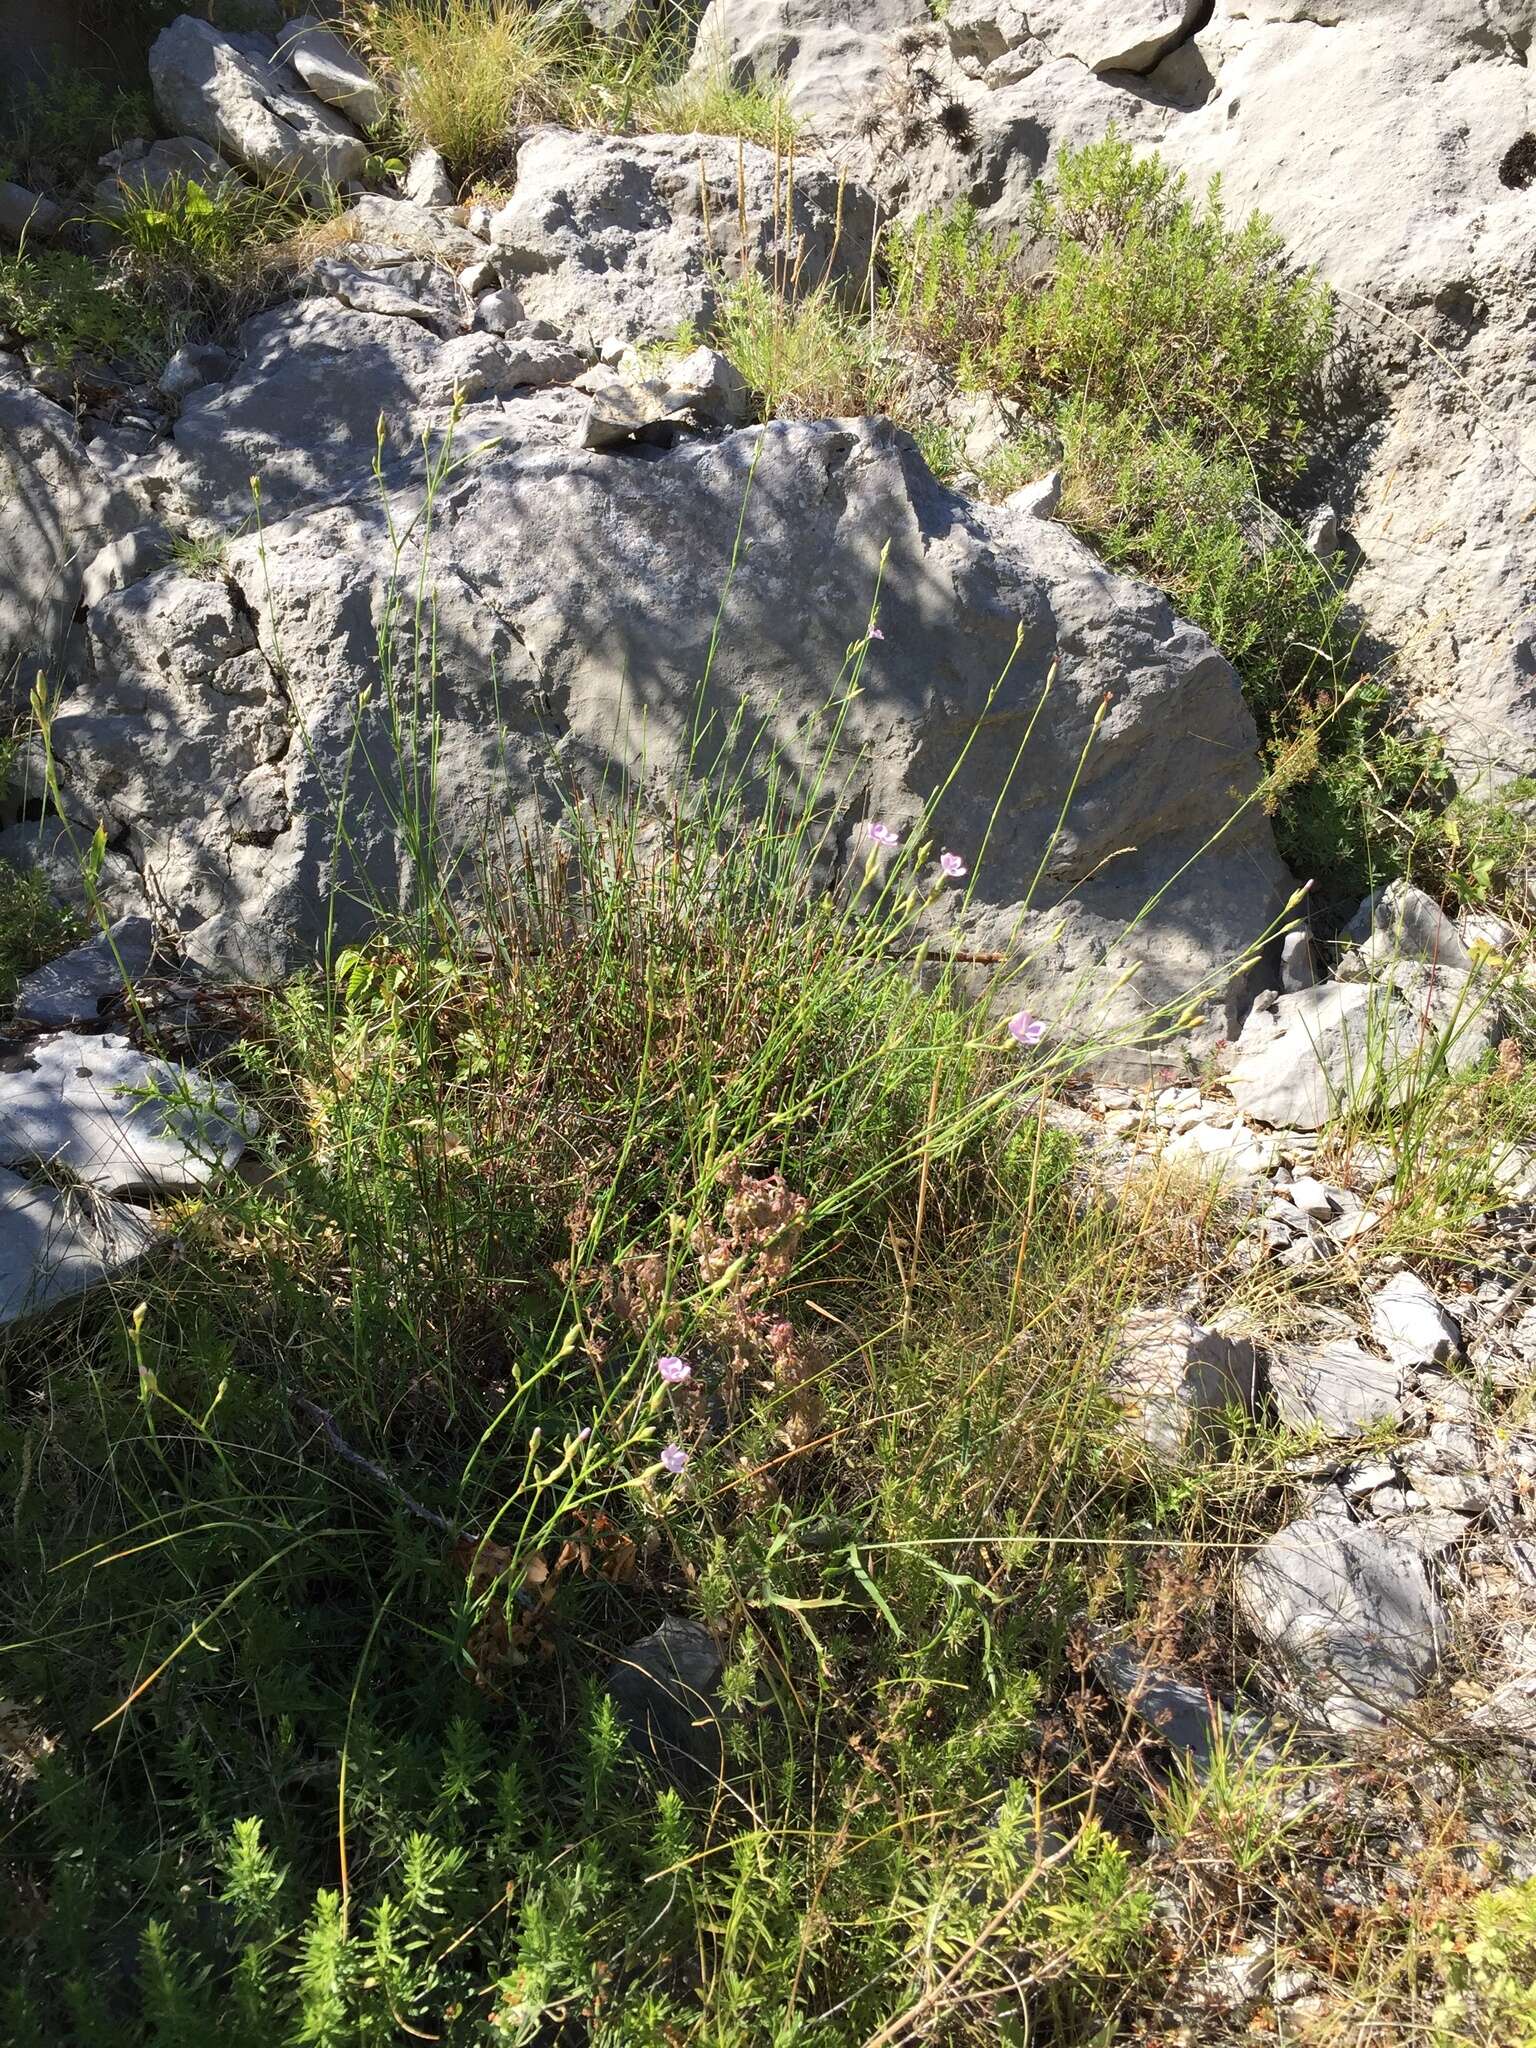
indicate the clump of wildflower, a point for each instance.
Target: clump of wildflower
{"x":674,"y":1458}
{"x":1025,"y":1029}
{"x":675,"y":1371}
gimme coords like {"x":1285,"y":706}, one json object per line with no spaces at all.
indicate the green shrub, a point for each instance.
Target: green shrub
{"x":1159,"y":311}
{"x":199,"y":260}
{"x":1481,"y":850}
{"x":63,"y":309}
{"x":1178,"y":359}
{"x":954,"y":292}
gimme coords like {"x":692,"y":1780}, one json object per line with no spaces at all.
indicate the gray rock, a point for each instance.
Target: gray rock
{"x":1408,"y":925}
{"x":412,"y":290}
{"x":1103,"y":35}
{"x":1184,"y":1716}
{"x":208,"y":84}
{"x":125,"y":561}
{"x":616,"y":413}
{"x":1343,"y":1044}
{"x":1350,"y":1611}
{"x":194,"y":365}
{"x":1482,"y":932}
{"x":1040,"y":499}
{"x":1337,"y":1387}
{"x":1427,"y":1533}
{"x":427,"y":181}
{"x":334,"y":72}
{"x":497,"y":312}
{"x":1175,"y":1381}
{"x":703,"y":385}
{"x":983,"y":423}
{"x":833,"y":58}
{"x":302,"y":411}
{"x":1310,"y":1197}
{"x":1323,"y":533}
{"x":375,"y":218}
{"x":535,"y":364}
{"x":633,"y":235}
{"x":1411,"y":1324}
{"x":115,"y":1119}
{"x":57,"y":1244}
{"x":576,"y":599}
{"x":700,"y":390}
{"x":150,"y":169}
{"x":479,"y":279}
{"x":1298,"y":963}
{"x":666,"y":1689}
{"x":1459,"y":1493}
{"x":71,"y":989}
{"x":27,"y":216}
{"x":57,"y":513}
{"x":55,"y":849}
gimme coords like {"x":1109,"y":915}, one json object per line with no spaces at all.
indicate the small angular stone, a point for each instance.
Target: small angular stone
{"x":427,"y":180}
{"x":1350,"y":1609}
{"x":1183,"y":1715}
{"x":1337,"y":1387}
{"x":1412,"y":1324}
{"x":499,"y":312}
{"x":1174,"y":1379}
{"x":193,"y":366}
{"x":1298,"y":965}
{"x":71,"y":989}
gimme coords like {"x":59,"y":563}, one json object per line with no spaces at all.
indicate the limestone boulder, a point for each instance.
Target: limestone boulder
{"x":1306,"y":1057}
{"x":831,"y":58}
{"x":630,"y":236}
{"x":303,"y":411}
{"x":235,"y":93}
{"x":59,"y":1243}
{"x":574,"y":599}
{"x":333,"y":71}
{"x":26,"y":216}
{"x":1338,"y":1387}
{"x":71,"y":989}
{"x":101,"y":1113}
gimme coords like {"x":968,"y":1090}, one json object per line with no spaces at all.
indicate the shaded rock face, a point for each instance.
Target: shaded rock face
{"x":1387,"y":143}
{"x":57,"y":512}
{"x":575,"y":595}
